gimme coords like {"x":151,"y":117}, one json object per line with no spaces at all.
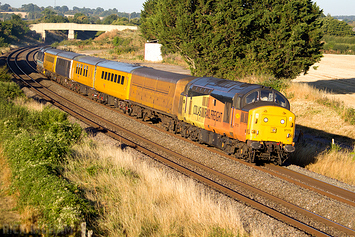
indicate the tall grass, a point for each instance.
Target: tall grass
{"x":138,"y":200}
{"x":324,"y":118}
{"x":338,"y":164}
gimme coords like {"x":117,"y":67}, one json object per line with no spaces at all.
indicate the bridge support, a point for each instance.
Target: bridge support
{"x":71,"y":34}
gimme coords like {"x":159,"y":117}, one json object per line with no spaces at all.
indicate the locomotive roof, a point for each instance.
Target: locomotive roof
{"x":88,"y":59}
{"x":123,"y":67}
{"x":52,"y":51}
{"x":67,"y":54}
{"x":223,"y":89}
{"x":42,"y":49}
{"x":160,"y":75}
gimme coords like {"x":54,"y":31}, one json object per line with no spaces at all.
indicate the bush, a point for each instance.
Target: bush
{"x":36,"y":145}
{"x":277,"y":84}
{"x":4,"y":74}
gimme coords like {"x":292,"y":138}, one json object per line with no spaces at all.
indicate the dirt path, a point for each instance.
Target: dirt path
{"x":335,"y":73}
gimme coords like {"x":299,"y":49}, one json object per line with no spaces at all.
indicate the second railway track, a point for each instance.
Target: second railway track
{"x":223,"y":180}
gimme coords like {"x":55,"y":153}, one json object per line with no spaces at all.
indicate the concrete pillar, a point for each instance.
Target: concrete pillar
{"x":71,"y":34}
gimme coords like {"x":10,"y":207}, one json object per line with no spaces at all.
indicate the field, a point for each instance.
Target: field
{"x":336,"y":74}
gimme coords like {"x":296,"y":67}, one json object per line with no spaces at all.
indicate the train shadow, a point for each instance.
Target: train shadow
{"x":310,"y":142}
{"x":335,"y":86}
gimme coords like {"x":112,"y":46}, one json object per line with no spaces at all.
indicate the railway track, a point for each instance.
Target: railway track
{"x":324,"y":227}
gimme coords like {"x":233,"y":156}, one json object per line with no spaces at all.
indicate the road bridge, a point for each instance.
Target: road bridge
{"x":72,"y":27}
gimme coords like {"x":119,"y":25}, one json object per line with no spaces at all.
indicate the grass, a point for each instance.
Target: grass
{"x":136,"y":199}
{"x":325,"y":119}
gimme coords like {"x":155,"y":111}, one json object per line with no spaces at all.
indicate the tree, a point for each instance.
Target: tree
{"x":235,"y":38}
{"x":109,"y":19}
{"x":30,"y":8}
{"x":334,"y":27}
{"x":6,"y":7}
{"x":50,"y":16}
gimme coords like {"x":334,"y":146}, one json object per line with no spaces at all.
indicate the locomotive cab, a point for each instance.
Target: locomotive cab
{"x":271,"y":124}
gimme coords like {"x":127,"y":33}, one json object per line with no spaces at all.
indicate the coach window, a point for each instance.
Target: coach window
{"x":109,"y":76}
{"x":102,"y":75}
{"x":86,"y":72}
{"x":119,"y":79}
{"x":81,"y":69}
{"x":112,"y":76}
{"x":105,"y":75}
{"x":115,"y":78}
{"x":122,"y":81}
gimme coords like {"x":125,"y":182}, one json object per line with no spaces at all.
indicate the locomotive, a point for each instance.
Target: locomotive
{"x":248,"y":121}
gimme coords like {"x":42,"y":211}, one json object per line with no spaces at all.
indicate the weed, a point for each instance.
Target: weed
{"x":220,"y":232}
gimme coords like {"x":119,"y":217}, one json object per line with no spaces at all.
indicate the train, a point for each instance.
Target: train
{"x":246,"y":121}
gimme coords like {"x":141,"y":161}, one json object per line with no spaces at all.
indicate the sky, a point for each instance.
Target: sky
{"x":332,"y":7}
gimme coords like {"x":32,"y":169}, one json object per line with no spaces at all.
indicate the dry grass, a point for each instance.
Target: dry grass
{"x":29,"y":104}
{"x":138,"y":200}
{"x":339,"y":165}
{"x":311,"y":114}
{"x":325,"y":123}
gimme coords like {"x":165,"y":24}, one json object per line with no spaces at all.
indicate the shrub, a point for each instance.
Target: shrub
{"x":36,"y":145}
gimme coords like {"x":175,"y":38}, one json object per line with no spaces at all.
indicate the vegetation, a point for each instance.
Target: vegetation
{"x":137,"y":199}
{"x":125,"y":45}
{"x":35,"y":145}
{"x":334,"y":27}
{"x":232,"y":39}
{"x":313,"y":110}
{"x":12,"y":30}
{"x":36,"y":12}
{"x":339,"y":36}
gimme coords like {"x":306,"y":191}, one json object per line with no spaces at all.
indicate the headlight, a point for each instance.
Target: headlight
{"x":266,"y":120}
{"x":282,"y":121}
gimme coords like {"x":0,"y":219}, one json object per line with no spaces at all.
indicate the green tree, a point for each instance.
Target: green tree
{"x":12,"y":30}
{"x":50,"y":16}
{"x":6,"y":7}
{"x":332,"y":26}
{"x":235,"y":38}
{"x":109,"y":19}
{"x":30,"y":8}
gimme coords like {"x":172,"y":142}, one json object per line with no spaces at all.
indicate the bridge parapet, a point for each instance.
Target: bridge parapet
{"x":72,"y":27}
